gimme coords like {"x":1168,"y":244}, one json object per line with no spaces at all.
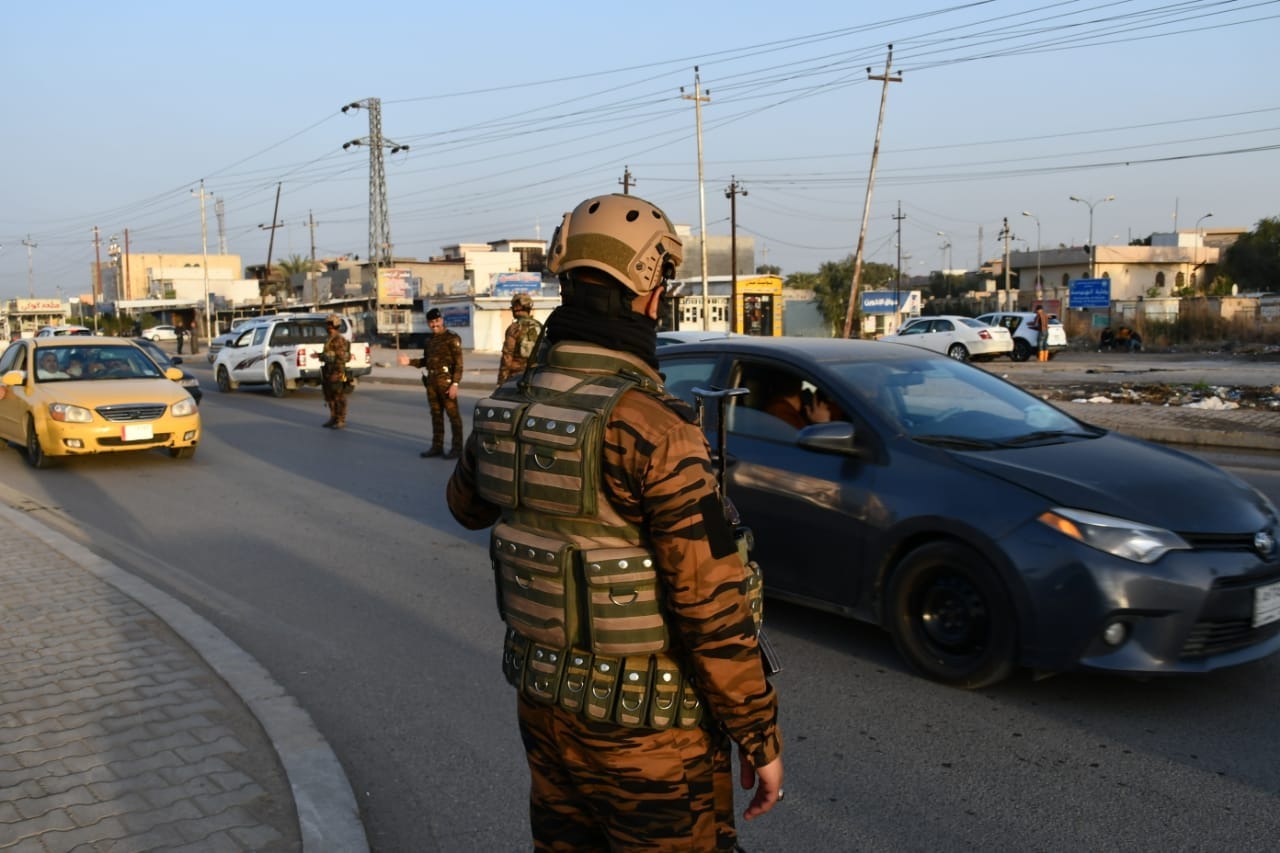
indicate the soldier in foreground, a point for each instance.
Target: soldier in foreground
{"x":520,"y":339}
{"x":333,"y":373}
{"x":441,"y":365}
{"x":630,"y":640}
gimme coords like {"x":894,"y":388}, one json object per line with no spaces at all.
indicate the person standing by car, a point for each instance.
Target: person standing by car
{"x":333,"y":373}
{"x":441,"y":365}
{"x":521,"y":338}
{"x":628,"y":715}
{"x":1041,"y":324}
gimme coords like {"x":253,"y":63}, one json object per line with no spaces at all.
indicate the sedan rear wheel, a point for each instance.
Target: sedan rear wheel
{"x":35,"y":453}
{"x":958,"y":352}
{"x":951,"y":617}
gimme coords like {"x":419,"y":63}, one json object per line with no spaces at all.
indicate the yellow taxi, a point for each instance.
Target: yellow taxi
{"x":77,"y":396}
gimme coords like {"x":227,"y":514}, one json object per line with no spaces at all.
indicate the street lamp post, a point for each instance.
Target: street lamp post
{"x":1093,"y":250}
{"x":946,"y":249}
{"x":1039,"y":284}
{"x":1199,"y":243}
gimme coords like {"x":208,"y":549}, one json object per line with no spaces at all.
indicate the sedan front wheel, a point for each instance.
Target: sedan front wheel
{"x":951,"y":617}
{"x":36,"y":456}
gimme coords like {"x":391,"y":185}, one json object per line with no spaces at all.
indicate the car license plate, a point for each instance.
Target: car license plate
{"x":142,"y":432}
{"x":1266,"y":604}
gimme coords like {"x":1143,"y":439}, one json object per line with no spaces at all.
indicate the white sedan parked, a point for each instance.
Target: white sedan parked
{"x":962,"y":338}
{"x":160,"y":333}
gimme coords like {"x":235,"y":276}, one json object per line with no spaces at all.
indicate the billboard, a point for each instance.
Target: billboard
{"x":890,"y":302}
{"x":397,"y":287}
{"x":511,"y":283}
{"x":1090,"y":293}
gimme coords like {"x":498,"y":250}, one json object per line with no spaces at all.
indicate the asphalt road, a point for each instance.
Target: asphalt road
{"x":330,"y":557}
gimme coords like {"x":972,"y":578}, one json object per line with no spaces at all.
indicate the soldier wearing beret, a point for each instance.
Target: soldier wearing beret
{"x":333,"y":373}
{"x":630,"y":639}
{"x":441,"y":365}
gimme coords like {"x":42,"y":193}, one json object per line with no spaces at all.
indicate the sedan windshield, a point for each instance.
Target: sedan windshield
{"x":72,"y":363}
{"x":941,"y":401}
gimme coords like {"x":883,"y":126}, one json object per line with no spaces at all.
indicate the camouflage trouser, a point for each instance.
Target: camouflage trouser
{"x":335,"y":397}
{"x":438,"y":397}
{"x":604,"y":787}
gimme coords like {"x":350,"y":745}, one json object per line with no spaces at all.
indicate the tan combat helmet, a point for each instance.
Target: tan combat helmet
{"x":523,"y":301}
{"x":333,"y":320}
{"x":623,"y":236}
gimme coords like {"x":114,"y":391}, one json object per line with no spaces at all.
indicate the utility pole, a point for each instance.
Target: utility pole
{"x":204,"y":251}
{"x":31,"y":292}
{"x":732,"y":193}
{"x":885,"y":78}
{"x":897,"y":287}
{"x":271,"y":243}
{"x":379,"y":220}
{"x":222,"y":226}
{"x":311,"y":271}
{"x":626,"y":180}
{"x":1004,"y":233}
{"x":97,"y":275}
{"x":698,"y":97}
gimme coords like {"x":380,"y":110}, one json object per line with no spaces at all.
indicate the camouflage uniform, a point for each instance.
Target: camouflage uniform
{"x":333,"y":378}
{"x":603,"y":780}
{"x":512,"y":361}
{"x":441,"y":365}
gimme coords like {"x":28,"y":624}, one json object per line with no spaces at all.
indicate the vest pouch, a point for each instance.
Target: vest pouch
{"x":623,"y":612}
{"x":542,"y":673}
{"x":573,"y":689}
{"x":515,"y":649}
{"x":533,"y":574}
{"x":557,"y":464}
{"x":665,"y":699}
{"x":602,"y":688}
{"x":689,"y":713}
{"x":633,"y":692}
{"x":494,"y":425}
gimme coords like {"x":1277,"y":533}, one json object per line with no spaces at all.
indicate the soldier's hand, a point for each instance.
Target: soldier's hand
{"x":767,"y":781}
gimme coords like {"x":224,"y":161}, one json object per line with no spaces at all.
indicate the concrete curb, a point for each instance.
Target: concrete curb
{"x":328,"y":816}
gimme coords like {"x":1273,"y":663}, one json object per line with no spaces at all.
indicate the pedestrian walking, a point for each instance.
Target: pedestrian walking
{"x":441,"y":365}
{"x":521,"y":338}
{"x":333,"y":373}
{"x":630,"y":635}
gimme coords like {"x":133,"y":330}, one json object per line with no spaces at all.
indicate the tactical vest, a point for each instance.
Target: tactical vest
{"x":577,"y":586}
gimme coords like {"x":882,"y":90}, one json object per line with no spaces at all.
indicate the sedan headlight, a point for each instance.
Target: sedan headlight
{"x":1130,"y":540}
{"x":185,"y":407}
{"x":68,"y":413}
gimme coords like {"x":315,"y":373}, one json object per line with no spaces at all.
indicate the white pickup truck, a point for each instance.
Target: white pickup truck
{"x":283,"y":352}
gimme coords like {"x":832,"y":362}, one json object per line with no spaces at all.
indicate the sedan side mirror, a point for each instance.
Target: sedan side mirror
{"x":835,"y":437}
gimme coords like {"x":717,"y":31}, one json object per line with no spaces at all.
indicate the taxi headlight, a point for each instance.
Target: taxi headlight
{"x":1130,"y":540}
{"x":185,"y":407}
{"x":70,"y":414}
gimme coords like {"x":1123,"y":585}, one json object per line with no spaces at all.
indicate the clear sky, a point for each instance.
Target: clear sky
{"x":514,"y":112}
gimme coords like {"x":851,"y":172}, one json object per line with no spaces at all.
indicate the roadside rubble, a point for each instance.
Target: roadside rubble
{"x":1199,"y":396}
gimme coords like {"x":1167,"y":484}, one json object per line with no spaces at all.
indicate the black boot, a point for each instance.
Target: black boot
{"x":435,"y":451}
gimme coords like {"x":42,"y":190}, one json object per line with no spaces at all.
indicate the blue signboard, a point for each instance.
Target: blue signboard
{"x":1090,"y":293}
{"x":884,"y":301}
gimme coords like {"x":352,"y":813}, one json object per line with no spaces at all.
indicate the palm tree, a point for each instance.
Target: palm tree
{"x":282,"y":274}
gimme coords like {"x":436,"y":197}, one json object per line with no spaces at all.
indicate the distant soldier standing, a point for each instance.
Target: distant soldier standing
{"x":333,"y":373}
{"x":441,"y":365}
{"x":630,"y":634}
{"x":521,"y":338}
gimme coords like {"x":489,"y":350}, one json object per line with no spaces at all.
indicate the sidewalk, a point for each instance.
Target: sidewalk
{"x":1249,"y":429}
{"x":128,"y":722}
